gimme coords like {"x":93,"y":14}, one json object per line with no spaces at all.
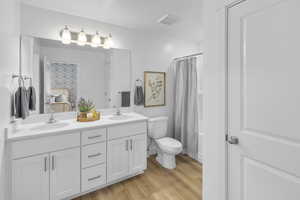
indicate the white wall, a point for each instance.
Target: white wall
{"x":200,"y":70}
{"x":149,"y":52}
{"x":9,"y":50}
{"x":214,"y":101}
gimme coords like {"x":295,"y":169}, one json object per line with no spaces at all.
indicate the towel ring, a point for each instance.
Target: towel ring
{"x":137,"y":81}
{"x":30,"y":80}
{"x":21,"y":79}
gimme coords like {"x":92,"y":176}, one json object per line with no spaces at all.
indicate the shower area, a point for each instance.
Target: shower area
{"x":186,"y":103}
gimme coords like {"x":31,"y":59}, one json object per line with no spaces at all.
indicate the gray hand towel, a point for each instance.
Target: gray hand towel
{"x":21,"y":103}
{"x":12,"y":105}
{"x":125,"y":99}
{"x":138,"y":96}
{"x":31,"y":98}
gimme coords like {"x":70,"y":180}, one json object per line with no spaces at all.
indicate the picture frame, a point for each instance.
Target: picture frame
{"x":155,"y":88}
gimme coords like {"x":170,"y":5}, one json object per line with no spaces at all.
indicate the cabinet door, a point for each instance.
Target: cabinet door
{"x":138,"y":156}
{"x":118,"y":159}
{"x":30,"y":178}
{"x":65,"y":174}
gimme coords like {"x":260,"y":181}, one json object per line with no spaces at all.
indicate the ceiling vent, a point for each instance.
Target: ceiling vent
{"x":168,"y":20}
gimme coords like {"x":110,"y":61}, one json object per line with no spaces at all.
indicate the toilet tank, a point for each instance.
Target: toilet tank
{"x":157,"y":127}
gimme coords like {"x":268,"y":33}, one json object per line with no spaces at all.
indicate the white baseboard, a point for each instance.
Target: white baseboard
{"x":200,"y":158}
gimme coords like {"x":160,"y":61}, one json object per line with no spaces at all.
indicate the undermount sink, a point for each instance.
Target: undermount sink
{"x":50,"y":126}
{"x":120,"y":117}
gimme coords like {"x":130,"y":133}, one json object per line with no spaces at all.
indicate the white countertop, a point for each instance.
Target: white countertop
{"x":29,"y":131}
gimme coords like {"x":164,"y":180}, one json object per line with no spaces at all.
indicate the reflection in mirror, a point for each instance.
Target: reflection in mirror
{"x":61,"y":74}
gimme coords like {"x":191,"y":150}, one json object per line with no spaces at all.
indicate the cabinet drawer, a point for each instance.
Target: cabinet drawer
{"x":93,"y":154}
{"x":93,"y":177}
{"x":45,"y":144}
{"x":126,"y":130}
{"x":93,"y":136}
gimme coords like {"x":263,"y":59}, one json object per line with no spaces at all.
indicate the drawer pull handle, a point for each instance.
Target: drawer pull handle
{"x":53,"y":163}
{"x":127,"y":145}
{"x":45,"y":164}
{"x":94,"y":155}
{"x":95,"y":136}
{"x":94,"y":178}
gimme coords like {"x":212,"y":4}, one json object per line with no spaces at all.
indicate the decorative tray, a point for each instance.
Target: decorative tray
{"x":88,"y":117}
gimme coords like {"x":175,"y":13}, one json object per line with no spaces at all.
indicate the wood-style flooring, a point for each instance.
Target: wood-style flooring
{"x":157,"y":183}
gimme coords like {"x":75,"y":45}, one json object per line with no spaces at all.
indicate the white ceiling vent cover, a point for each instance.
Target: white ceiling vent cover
{"x":168,"y":20}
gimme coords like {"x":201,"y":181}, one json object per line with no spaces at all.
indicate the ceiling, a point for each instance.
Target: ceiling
{"x":141,"y":15}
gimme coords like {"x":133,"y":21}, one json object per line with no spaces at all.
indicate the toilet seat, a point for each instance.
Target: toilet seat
{"x":169,"y":145}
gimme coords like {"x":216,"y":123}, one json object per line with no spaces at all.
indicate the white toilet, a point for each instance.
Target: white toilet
{"x":168,"y":147}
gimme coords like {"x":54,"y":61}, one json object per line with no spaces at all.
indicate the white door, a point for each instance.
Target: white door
{"x":30,"y":178}
{"x":118,"y":159}
{"x":138,"y":156}
{"x":264,"y":100}
{"x":65,"y":174}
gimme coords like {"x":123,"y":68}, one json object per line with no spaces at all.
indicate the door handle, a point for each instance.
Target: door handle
{"x":131,"y":146}
{"x":127,"y":145}
{"x":53,"y":164}
{"x":45,"y":164}
{"x":233,"y":140}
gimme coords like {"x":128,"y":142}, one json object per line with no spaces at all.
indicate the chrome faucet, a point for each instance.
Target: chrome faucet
{"x":118,"y":111}
{"x":52,"y":119}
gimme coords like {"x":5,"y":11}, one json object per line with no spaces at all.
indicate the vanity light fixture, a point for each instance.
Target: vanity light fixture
{"x":66,"y":36}
{"x":96,"y":40}
{"x":108,"y":43}
{"x":82,"y":39}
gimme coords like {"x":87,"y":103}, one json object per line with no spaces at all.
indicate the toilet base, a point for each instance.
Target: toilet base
{"x":166,"y":160}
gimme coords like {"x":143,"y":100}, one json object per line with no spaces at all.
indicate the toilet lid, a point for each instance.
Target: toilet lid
{"x":169,"y":142}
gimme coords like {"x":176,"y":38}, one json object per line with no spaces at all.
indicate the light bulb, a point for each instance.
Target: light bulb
{"x":96,"y":40}
{"x":81,"y":40}
{"x":108,"y":42}
{"x":66,"y":35}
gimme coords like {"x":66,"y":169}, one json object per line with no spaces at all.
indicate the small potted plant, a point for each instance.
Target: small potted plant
{"x":86,"y":108}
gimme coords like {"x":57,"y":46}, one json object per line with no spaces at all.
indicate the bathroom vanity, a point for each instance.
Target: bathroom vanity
{"x":68,"y":159}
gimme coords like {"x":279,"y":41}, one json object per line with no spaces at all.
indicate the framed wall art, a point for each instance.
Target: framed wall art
{"x":155,"y":88}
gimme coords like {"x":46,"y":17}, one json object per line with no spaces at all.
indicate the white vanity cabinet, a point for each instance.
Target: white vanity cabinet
{"x":138,"y":156}
{"x":118,"y":159}
{"x":69,"y":164}
{"x":64,"y":173}
{"x":30,"y":178}
{"x":93,"y":158}
{"x":53,"y":175}
{"x":126,"y":156}
{"x":127,"y":149}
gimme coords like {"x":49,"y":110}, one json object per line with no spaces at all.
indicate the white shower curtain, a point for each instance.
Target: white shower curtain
{"x":184,"y":108}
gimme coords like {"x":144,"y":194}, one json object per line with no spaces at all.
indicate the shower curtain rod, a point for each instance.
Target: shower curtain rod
{"x":192,"y":55}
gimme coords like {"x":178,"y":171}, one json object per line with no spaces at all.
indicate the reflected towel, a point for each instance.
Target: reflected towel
{"x":125,"y":99}
{"x":31,"y":98}
{"x":138,"y":96}
{"x":21,"y":103}
{"x":12,"y":105}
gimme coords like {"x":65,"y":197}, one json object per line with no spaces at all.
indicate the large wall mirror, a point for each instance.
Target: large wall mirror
{"x":61,"y":74}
